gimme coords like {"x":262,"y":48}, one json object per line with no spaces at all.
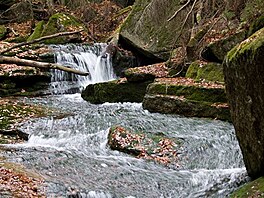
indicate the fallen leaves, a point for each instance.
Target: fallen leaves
{"x":143,"y":145}
{"x":19,"y":184}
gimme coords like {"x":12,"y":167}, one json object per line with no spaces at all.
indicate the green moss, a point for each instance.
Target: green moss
{"x":250,"y":44}
{"x":37,"y":31}
{"x":251,"y":189}
{"x":205,"y":71}
{"x":59,"y":23}
{"x":3,"y":31}
{"x":194,"y":93}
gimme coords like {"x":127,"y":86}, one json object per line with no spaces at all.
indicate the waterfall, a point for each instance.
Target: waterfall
{"x":92,"y":59}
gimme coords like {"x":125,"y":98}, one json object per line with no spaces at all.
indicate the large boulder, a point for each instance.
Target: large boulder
{"x":243,"y":69}
{"x":186,"y":97}
{"x":115,"y":91}
{"x":147,"y":30}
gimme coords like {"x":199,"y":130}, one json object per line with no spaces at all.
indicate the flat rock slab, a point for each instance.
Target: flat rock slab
{"x":186,"y":97}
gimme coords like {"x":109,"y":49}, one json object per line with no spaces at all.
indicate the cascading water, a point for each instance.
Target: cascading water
{"x":92,"y":59}
{"x":71,"y":153}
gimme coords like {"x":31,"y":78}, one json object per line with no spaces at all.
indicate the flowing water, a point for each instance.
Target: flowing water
{"x":71,"y":153}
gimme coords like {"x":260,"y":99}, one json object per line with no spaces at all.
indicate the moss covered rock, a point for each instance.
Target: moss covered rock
{"x":216,"y":51}
{"x":59,"y":22}
{"x":251,"y":189}
{"x":243,"y":69}
{"x":186,"y":97}
{"x":37,"y":31}
{"x":115,"y":91}
{"x":199,"y":70}
{"x":3,"y":32}
{"x":147,"y":30}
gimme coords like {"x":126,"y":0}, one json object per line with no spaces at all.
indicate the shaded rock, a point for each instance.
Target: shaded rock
{"x":252,"y":189}
{"x":22,"y":81}
{"x":5,"y":4}
{"x":243,"y":69}
{"x":217,"y":50}
{"x":256,"y":25}
{"x":186,"y":97}
{"x":204,"y":71}
{"x":146,"y":73}
{"x":124,"y":3}
{"x":3,"y":32}
{"x":156,"y":147}
{"x":115,"y":91}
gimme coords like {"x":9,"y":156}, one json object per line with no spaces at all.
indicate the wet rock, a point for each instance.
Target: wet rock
{"x":185,"y":97}
{"x":115,"y":91}
{"x":155,"y":147}
{"x":23,"y":81}
{"x":205,"y":71}
{"x":243,"y":69}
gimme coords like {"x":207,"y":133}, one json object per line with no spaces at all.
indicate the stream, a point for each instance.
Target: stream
{"x":71,"y":152}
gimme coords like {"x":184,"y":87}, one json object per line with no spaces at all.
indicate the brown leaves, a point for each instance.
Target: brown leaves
{"x":188,"y":82}
{"x":19,"y":184}
{"x":144,"y":145}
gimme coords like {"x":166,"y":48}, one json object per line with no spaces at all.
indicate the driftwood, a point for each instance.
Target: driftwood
{"x":31,"y":63}
{"x":39,"y":39}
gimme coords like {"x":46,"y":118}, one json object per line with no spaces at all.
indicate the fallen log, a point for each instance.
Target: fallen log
{"x":40,"y":39}
{"x":31,"y":63}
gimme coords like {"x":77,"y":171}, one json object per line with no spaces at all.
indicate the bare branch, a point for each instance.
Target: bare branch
{"x":181,"y":8}
{"x":31,"y":63}
{"x":39,"y":39}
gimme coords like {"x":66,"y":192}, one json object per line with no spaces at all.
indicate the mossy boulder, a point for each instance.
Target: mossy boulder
{"x":217,"y":50}
{"x":251,"y":189}
{"x":206,"y":71}
{"x":147,"y":30}
{"x":150,"y":146}
{"x":243,"y":69}
{"x":185,"y":97}
{"x":115,"y":91}
{"x":59,"y":22}
{"x":37,"y":31}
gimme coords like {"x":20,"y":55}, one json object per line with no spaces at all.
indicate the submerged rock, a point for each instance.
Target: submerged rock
{"x":243,"y":69}
{"x":144,"y":145}
{"x":186,"y":97}
{"x":115,"y":91}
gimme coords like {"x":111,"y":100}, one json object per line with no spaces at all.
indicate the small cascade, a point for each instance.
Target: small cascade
{"x":92,"y":59}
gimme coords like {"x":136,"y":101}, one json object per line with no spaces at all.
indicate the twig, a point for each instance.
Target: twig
{"x":181,"y":8}
{"x":39,"y":39}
